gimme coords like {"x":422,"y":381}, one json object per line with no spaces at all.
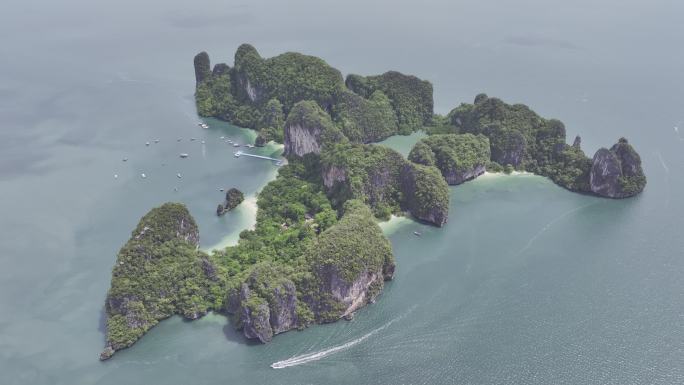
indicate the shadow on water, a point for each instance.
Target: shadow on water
{"x":234,"y":335}
{"x":102,"y":324}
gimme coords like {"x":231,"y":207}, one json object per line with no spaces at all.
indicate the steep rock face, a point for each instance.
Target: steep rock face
{"x":455,"y":177}
{"x":426,"y":193}
{"x":220,"y":69}
{"x":202,"y":67}
{"x":307,"y":129}
{"x":158,"y":273}
{"x":255,"y":319}
{"x":617,"y":173}
{"x":344,"y":297}
{"x":577,"y":143}
{"x":301,"y":140}
{"x":333,"y":174}
{"x":248,"y":64}
{"x":283,"y":315}
{"x":265,"y":302}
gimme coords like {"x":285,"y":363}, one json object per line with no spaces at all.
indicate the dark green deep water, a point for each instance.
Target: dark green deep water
{"x":527,"y":283}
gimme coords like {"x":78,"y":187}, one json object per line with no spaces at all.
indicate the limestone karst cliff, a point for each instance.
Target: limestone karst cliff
{"x":617,"y":172}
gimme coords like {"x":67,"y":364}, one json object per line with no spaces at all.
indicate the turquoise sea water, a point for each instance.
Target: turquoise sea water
{"x":526,"y":284}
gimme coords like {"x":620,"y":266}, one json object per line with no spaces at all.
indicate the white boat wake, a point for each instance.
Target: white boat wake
{"x":315,"y":356}
{"x":662,"y":162}
{"x":551,"y":223}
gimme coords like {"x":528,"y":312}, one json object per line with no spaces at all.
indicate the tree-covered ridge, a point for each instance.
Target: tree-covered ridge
{"x":425,"y":193}
{"x":458,"y":157}
{"x":367,"y":172}
{"x":518,"y":136}
{"x":159,"y":273}
{"x":383,"y":179}
{"x":259,"y":93}
{"x":304,"y":262}
{"x":365,"y":120}
{"x":522,"y":139}
{"x":289,"y":77}
{"x":352,"y":253}
{"x":410,"y":96}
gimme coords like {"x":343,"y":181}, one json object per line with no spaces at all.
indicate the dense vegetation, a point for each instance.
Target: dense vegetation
{"x":159,"y":273}
{"x":259,"y":93}
{"x":371,"y":173}
{"x":383,"y":179}
{"x":365,"y":120}
{"x":271,"y":123}
{"x":291,"y":211}
{"x":454,"y":155}
{"x":287,"y":267}
{"x":411,"y":97}
{"x":426,"y":193}
{"x":289,"y":77}
{"x":522,"y":139}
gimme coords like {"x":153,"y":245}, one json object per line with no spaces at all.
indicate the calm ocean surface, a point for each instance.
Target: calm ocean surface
{"x":526,"y":284}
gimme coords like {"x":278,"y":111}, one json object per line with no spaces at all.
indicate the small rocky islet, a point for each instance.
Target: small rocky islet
{"x":233,"y":198}
{"x":316,"y":253}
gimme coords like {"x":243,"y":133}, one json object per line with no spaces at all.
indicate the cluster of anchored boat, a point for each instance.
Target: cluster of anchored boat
{"x":225,"y":139}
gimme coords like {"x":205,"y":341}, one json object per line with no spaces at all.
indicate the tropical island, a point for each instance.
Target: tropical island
{"x":317,"y":253}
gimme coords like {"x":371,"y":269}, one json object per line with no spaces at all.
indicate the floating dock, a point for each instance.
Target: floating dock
{"x":278,"y":162}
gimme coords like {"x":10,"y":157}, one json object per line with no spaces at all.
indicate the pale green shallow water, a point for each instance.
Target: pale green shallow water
{"x":526,"y":284}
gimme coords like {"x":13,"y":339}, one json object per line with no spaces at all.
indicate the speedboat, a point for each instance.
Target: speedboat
{"x":237,"y":154}
{"x":125,"y":159}
{"x":417,"y":234}
{"x":250,"y":146}
{"x":143,"y":175}
{"x":236,"y":144}
{"x":193,"y":139}
{"x":179,"y":175}
{"x":147,"y":143}
{"x":183,"y":155}
{"x":156,"y":140}
{"x":202,"y":142}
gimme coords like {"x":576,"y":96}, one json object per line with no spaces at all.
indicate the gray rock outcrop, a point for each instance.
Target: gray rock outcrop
{"x":617,"y":173}
{"x":308,"y":128}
